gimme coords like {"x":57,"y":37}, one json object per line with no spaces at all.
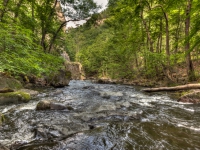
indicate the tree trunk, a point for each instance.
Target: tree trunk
{"x":167,"y":35}
{"x":181,"y":87}
{"x":43,"y":38}
{"x":32,"y":15}
{"x":177,"y":35}
{"x":56,"y":34}
{"x":190,"y":68}
{"x":148,"y":32}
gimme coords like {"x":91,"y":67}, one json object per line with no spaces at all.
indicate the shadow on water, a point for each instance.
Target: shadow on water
{"x":104,"y":117}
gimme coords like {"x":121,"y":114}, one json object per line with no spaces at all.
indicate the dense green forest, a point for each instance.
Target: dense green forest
{"x":129,"y":39}
{"x":139,"y":38}
{"x":31,"y":33}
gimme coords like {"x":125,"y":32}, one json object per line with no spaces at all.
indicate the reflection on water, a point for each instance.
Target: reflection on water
{"x":105,"y":117}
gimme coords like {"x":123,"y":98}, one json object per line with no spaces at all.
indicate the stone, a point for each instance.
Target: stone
{"x":6,"y":90}
{"x":191,"y":97}
{"x":2,"y":147}
{"x":14,"y":97}
{"x":55,"y":106}
{"x":60,"y":79}
{"x":76,"y":70}
{"x":105,"y":81}
{"x":65,"y":56}
{"x":32,"y":93}
{"x":9,"y":83}
{"x":48,"y":105}
{"x":1,"y":119}
{"x":43,"y":105}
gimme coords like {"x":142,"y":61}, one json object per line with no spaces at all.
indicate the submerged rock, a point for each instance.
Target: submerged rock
{"x":47,"y":105}
{"x":14,"y":97}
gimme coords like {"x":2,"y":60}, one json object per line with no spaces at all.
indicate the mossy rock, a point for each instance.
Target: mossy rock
{"x":2,"y":118}
{"x":14,"y":97}
{"x":43,"y":105}
{"x":60,"y":78}
{"x":11,"y":83}
{"x":190,"y":97}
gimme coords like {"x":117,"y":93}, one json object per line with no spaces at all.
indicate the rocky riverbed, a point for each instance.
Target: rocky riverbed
{"x":103,"y":116}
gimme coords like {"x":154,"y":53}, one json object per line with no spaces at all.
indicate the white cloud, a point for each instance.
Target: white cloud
{"x":103,"y":3}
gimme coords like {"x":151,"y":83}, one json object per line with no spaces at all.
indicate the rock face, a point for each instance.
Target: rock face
{"x":60,"y":79}
{"x":14,"y":98}
{"x":191,"y":97}
{"x":75,"y":68}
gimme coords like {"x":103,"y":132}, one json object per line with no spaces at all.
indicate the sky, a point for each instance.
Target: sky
{"x":103,"y":3}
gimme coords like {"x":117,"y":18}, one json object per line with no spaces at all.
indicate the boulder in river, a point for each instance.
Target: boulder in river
{"x":47,"y":105}
{"x":60,"y":79}
{"x":14,"y":97}
{"x":32,"y":93}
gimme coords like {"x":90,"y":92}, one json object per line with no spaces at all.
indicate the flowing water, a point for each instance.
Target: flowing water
{"x":104,"y":117}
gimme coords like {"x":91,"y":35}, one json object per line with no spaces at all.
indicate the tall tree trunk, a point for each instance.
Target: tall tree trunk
{"x":167,"y":35}
{"x":56,"y":34}
{"x":177,"y":33}
{"x":44,"y":28}
{"x":161,"y":30}
{"x":148,"y":32}
{"x":190,"y":68}
{"x":43,"y":39}
{"x":159,"y":40}
{"x":33,"y":16}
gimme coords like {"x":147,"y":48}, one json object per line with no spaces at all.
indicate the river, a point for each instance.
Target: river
{"x":104,"y":117}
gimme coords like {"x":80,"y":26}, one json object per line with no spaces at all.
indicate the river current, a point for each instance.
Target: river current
{"x":104,"y":117}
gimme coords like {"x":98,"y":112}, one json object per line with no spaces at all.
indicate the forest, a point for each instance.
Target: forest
{"x":32,"y":34}
{"x":126,"y":79}
{"x":128,"y":40}
{"x":140,"y":39}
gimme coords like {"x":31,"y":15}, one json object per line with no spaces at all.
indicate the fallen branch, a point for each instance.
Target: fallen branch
{"x":175,"y":88}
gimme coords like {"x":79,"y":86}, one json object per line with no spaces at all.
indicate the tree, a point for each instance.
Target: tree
{"x":190,"y":68}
